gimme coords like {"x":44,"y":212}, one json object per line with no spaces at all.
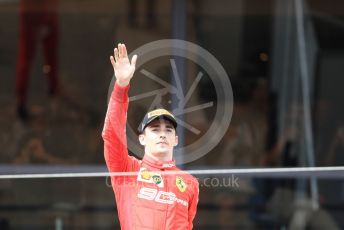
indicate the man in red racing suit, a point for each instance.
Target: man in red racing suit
{"x":159,"y":195}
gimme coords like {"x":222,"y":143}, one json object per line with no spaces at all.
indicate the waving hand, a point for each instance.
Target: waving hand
{"x":124,"y":70}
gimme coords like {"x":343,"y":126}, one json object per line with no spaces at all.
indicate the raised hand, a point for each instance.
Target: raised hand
{"x":124,"y":70}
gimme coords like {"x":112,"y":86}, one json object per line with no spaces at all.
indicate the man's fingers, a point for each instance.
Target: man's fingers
{"x":124,"y":51}
{"x":116,"y":54}
{"x":133,"y":60}
{"x":112,"y":61}
{"x":120,"y":50}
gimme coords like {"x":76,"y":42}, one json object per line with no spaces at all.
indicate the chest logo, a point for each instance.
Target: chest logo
{"x":150,"y":177}
{"x":145,"y":174}
{"x":180,"y":184}
{"x":157,"y":179}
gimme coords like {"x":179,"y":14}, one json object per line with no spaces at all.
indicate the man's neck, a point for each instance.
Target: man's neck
{"x":160,"y":156}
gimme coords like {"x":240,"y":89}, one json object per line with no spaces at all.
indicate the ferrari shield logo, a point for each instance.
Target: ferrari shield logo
{"x":180,"y":184}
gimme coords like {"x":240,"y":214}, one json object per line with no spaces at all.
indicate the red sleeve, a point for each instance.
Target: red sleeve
{"x":193,"y":205}
{"x":114,"y":132}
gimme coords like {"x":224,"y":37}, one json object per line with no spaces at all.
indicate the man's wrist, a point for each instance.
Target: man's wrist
{"x":122,"y":83}
{"x":120,"y":93}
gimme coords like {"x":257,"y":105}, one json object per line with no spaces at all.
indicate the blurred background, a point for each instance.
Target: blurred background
{"x":284,"y":58}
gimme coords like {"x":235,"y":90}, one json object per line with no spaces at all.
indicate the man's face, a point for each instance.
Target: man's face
{"x":159,"y":138}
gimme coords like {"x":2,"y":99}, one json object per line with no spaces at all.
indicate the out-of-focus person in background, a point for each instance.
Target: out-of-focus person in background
{"x":38,"y":22}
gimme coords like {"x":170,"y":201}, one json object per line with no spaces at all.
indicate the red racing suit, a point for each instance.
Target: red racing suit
{"x":159,"y":195}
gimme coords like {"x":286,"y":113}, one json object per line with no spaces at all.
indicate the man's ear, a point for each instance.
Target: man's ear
{"x":142,"y":139}
{"x":176,"y":141}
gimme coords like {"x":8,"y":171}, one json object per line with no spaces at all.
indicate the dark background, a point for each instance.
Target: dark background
{"x":258,"y":44}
